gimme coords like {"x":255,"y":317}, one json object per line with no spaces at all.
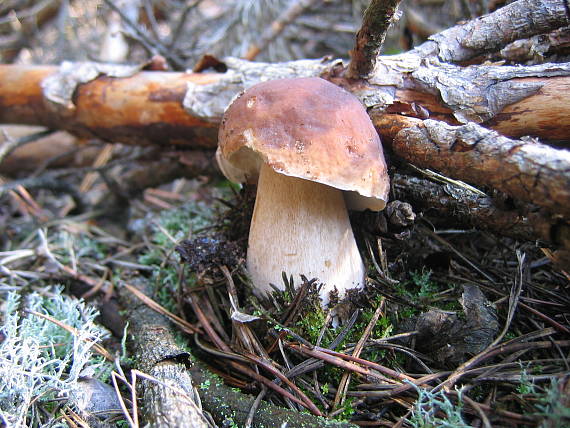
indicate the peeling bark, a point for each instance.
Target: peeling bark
{"x":517,"y":20}
{"x":184,"y":109}
{"x":143,"y":109}
{"x":525,"y":170}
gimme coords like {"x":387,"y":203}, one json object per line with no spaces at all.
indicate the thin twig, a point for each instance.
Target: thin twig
{"x":546,"y":318}
{"x":335,"y":359}
{"x":114,"y":377}
{"x":304,"y":401}
{"x":476,"y":406}
{"x":12,"y":144}
{"x":271,"y":369}
{"x":180,"y":24}
{"x":370,"y":38}
{"x":255,"y":406}
{"x":345,"y":380}
{"x":153,"y":44}
{"x":46,"y":182}
{"x":151,"y":19}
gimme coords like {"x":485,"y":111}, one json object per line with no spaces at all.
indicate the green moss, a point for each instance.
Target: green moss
{"x":423,"y":290}
{"x":311,"y":324}
{"x":348,"y":410}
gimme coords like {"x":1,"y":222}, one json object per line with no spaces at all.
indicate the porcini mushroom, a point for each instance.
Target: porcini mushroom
{"x":304,"y":141}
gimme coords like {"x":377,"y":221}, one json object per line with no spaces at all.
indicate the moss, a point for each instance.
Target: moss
{"x":311,"y":324}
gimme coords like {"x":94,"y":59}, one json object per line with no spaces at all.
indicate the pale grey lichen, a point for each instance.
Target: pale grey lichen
{"x":39,"y":360}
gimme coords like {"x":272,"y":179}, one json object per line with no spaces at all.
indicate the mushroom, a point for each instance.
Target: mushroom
{"x":313,"y":151}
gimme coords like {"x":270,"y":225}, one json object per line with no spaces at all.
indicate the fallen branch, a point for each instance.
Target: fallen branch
{"x":143,"y":109}
{"x":184,"y":109}
{"x":518,"y":20}
{"x":472,"y":209}
{"x":157,"y":355}
{"x":526,"y":170}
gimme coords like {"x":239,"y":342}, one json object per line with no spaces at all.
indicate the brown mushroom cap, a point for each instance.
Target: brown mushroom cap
{"x":307,"y":128}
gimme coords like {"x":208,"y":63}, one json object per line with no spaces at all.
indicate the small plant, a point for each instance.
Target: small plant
{"x":312,"y":323}
{"x":39,"y":360}
{"x":434,"y":409}
{"x":551,"y":406}
{"x":526,"y":385}
{"x":547,"y":402}
{"x":348,"y":411}
{"x":420,"y":287}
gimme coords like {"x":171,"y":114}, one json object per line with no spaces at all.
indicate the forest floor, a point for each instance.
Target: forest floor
{"x":483,"y":319}
{"x":457,"y":327}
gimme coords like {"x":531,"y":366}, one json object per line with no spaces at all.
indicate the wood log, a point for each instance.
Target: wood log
{"x":147,"y":108}
{"x":143,"y":109}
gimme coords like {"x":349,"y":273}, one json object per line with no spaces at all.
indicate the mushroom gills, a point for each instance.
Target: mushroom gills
{"x":301,"y":227}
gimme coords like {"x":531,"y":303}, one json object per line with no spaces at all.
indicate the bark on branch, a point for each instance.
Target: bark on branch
{"x":518,"y":20}
{"x":369,"y":40}
{"x":148,"y":107}
{"x":525,"y":170}
{"x":471,"y":209}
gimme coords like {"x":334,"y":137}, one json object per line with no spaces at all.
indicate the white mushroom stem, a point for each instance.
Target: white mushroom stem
{"x":301,"y":227}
